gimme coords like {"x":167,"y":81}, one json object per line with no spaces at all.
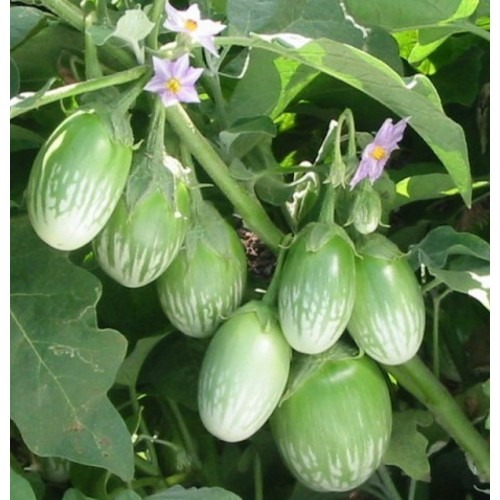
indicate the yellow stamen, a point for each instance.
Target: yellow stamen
{"x":191,"y":25}
{"x":173,"y":85}
{"x":379,"y":153}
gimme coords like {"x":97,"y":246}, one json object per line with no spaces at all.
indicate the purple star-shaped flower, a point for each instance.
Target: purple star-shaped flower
{"x":201,"y":31}
{"x":377,"y":153}
{"x":174,"y":81}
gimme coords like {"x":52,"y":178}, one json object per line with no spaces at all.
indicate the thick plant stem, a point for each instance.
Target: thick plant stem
{"x":247,"y":206}
{"x":416,"y":378}
{"x":77,"y":89}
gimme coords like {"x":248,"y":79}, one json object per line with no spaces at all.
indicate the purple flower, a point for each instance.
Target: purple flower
{"x":376,"y":154}
{"x":201,"y":31}
{"x":174,"y":81}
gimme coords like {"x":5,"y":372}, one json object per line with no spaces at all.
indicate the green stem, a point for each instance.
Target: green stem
{"x":186,"y":435}
{"x":388,"y":483}
{"x":257,"y":477}
{"x":155,"y":14}
{"x":187,"y":161}
{"x":248,"y":207}
{"x":156,"y":132}
{"x":436,"y":306}
{"x":144,"y":430}
{"x":413,"y":489}
{"x":271,"y":294}
{"x":327,"y":213}
{"x":92,"y":66}
{"x":431,"y":285}
{"x":416,"y":378}
{"x":74,"y":16}
{"x":78,"y":88}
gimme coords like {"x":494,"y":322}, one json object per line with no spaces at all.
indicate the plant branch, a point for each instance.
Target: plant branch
{"x":23,"y":106}
{"x":246,"y":205}
{"x":417,"y":379}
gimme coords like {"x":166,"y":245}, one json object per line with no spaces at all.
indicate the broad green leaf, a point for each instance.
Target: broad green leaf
{"x":258,"y":96}
{"x":374,"y":78}
{"x":408,"y":447}
{"x":130,"y":368}
{"x":180,"y":493}
{"x":321,"y":18}
{"x":408,"y":14}
{"x":14,"y":78}
{"x":61,"y":364}
{"x":440,"y":243}
{"x":20,"y":488}
{"x":24,"y":22}
{"x":73,"y":494}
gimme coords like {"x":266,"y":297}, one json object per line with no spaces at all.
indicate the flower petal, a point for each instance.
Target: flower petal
{"x":162,"y":68}
{"x":188,"y":94}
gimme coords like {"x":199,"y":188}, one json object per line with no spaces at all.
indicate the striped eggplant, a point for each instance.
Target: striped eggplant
{"x":205,"y":282}
{"x":243,"y":374}
{"x":316,"y":293}
{"x":388,"y":317}
{"x":77,"y":179}
{"x":148,"y":226}
{"x":334,"y":422}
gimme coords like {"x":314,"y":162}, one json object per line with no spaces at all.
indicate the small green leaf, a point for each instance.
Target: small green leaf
{"x":24,"y":22}
{"x":61,"y":364}
{"x":133,"y":27}
{"x":408,"y":447}
{"x":441,"y":243}
{"x":180,"y":493}
{"x":20,"y":488}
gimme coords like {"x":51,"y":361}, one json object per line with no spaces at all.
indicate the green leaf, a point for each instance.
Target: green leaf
{"x":130,"y":368}
{"x":442,"y":242}
{"x":22,"y":138}
{"x":243,"y":135}
{"x":408,"y":14}
{"x":321,"y":18}
{"x":408,"y":447}
{"x":423,"y":187}
{"x":24,"y":22}
{"x":474,"y":282}
{"x":61,"y":364}
{"x":374,"y":78}
{"x":133,"y":27}
{"x":258,"y":96}
{"x":73,"y":494}
{"x":14,"y":78}
{"x":180,"y":493}
{"x":20,"y":488}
